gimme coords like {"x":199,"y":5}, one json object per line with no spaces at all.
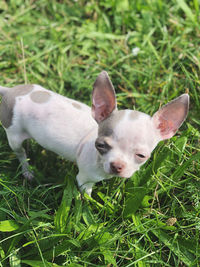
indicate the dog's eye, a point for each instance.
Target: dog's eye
{"x":141,"y":156}
{"x":102,"y":147}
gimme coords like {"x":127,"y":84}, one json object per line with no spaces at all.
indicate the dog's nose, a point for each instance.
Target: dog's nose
{"x":117,"y":167}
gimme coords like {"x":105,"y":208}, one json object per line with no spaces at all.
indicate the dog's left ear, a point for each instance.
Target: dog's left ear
{"x":169,"y":118}
{"x":103,"y":97}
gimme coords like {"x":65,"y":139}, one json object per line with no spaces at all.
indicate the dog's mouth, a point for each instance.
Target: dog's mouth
{"x":118,"y":168}
{"x":122,"y":174}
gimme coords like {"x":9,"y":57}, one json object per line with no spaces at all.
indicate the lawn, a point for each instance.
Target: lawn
{"x":151,"y":51}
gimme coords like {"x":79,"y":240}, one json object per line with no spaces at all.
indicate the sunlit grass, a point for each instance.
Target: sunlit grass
{"x":152,"y":218}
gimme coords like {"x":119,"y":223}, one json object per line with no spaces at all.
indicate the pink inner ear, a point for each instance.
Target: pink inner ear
{"x":169,"y":119}
{"x":166,"y":127}
{"x":100,"y":112}
{"x":103,"y":97}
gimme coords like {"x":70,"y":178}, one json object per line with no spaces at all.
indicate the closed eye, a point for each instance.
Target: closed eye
{"x":140,"y":156}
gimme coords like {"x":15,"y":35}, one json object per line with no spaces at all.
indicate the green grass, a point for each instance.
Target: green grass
{"x":152,"y":219}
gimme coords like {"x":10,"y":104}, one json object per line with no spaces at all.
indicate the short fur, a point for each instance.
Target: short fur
{"x":105,"y":144}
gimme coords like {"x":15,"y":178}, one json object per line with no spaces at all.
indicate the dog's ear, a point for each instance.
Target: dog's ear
{"x":169,"y":118}
{"x":103,"y":97}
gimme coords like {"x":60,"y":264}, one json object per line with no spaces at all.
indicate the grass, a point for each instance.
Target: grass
{"x":152,"y":219}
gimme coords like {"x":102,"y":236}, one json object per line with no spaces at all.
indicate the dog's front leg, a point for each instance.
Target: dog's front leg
{"x":83,"y":185}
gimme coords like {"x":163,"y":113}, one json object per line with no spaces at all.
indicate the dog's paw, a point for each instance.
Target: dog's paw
{"x":86,"y":188}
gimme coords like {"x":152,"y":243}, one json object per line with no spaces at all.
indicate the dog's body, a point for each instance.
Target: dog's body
{"x":117,"y":143}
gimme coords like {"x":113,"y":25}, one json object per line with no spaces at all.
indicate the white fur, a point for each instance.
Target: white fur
{"x":67,"y":127}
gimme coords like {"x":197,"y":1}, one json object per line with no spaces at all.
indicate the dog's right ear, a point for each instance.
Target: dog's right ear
{"x":103,"y":97}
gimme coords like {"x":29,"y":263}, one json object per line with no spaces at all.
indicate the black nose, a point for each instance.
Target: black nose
{"x":116,"y":167}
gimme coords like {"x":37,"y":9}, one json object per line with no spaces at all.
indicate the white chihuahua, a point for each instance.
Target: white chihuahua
{"x":108,"y":143}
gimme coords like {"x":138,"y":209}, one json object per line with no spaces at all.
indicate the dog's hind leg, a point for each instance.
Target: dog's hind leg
{"x":15,"y":141}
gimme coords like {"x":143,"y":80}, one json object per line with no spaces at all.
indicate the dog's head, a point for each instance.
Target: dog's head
{"x":126,"y":138}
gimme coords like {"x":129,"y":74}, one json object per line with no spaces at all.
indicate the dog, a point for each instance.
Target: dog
{"x":102,"y":140}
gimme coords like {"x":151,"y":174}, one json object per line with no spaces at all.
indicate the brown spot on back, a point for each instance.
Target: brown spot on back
{"x":40,"y":97}
{"x":8,"y":102}
{"x":76,"y":105}
{"x":21,"y":90}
